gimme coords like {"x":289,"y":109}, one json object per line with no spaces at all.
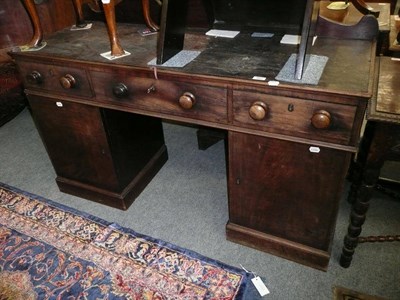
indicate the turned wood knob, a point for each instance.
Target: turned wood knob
{"x":34,"y":78}
{"x":187,"y":100}
{"x":67,"y":81}
{"x":258,"y":110}
{"x":120,"y":90}
{"x":321,"y":119}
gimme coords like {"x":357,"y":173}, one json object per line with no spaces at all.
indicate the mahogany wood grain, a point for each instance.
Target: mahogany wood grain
{"x":104,"y":155}
{"x":291,"y":192}
{"x":47,"y":77}
{"x":162,"y":95}
{"x":294,"y":116}
{"x":284,"y":182}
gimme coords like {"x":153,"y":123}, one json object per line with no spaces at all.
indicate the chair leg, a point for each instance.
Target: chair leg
{"x":80,"y":20}
{"x":109,"y":11}
{"x":37,"y":38}
{"x":147,"y":18}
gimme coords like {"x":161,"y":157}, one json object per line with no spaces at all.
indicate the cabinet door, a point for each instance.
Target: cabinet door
{"x":285,"y":189}
{"x":76,"y":141}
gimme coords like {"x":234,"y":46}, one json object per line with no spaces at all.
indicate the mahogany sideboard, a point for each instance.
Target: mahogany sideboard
{"x":101,"y":123}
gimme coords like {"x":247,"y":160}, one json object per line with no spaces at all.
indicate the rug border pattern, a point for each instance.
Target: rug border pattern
{"x":98,"y":240}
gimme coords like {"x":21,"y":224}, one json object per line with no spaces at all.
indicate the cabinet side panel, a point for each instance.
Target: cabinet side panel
{"x":134,"y":140}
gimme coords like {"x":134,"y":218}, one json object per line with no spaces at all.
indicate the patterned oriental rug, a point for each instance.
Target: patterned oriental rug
{"x":50,"y":251}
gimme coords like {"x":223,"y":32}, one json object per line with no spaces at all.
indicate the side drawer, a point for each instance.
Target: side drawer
{"x":55,"y":79}
{"x":183,"y":99}
{"x":302,"y":118}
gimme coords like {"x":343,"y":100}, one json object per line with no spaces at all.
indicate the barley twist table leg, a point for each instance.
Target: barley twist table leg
{"x":379,"y":139}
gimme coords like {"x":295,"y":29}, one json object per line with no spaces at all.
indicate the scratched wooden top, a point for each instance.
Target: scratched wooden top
{"x":347,"y":72}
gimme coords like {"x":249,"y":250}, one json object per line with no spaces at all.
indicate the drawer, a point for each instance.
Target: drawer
{"x":55,"y":79}
{"x":310,"y":119}
{"x":184,"y":99}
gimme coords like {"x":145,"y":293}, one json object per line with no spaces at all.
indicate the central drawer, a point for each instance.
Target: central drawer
{"x":184,"y":99}
{"x":310,"y":119}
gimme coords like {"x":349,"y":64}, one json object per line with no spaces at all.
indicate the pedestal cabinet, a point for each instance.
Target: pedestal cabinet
{"x":105,"y":155}
{"x":289,"y":143}
{"x":281,"y":195}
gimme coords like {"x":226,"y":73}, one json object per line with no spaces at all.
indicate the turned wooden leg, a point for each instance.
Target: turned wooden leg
{"x":357,"y":218}
{"x":357,"y":166}
{"x":379,"y":138}
{"x":147,"y":18}
{"x":363,"y":181}
{"x":80,"y":20}
{"x":37,"y":38}
{"x":109,"y":11}
{"x":364,"y":8}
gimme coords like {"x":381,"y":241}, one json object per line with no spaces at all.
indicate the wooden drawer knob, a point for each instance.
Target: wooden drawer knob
{"x":258,"y":110}
{"x":120,"y":90}
{"x":321,"y":119}
{"x":68,"y":81}
{"x":34,"y":78}
{"x":187,"y":100}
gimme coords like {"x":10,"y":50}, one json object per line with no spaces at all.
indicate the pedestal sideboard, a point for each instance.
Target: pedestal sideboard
{"x":100,"y":121}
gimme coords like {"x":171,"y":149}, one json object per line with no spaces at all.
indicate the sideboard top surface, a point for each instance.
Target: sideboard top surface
{"x":348,"y":70}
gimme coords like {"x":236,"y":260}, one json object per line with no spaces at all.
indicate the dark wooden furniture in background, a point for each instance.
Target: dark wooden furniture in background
{"x":392,"y":4}
{"x":16,"y":28}
{"x":12,"y":98}
{"x":381,"y":142}
{"x":352,"y":15}
{"x":394,"y":40}
{"x":365,"y":8}
{"x":286,"y":171}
